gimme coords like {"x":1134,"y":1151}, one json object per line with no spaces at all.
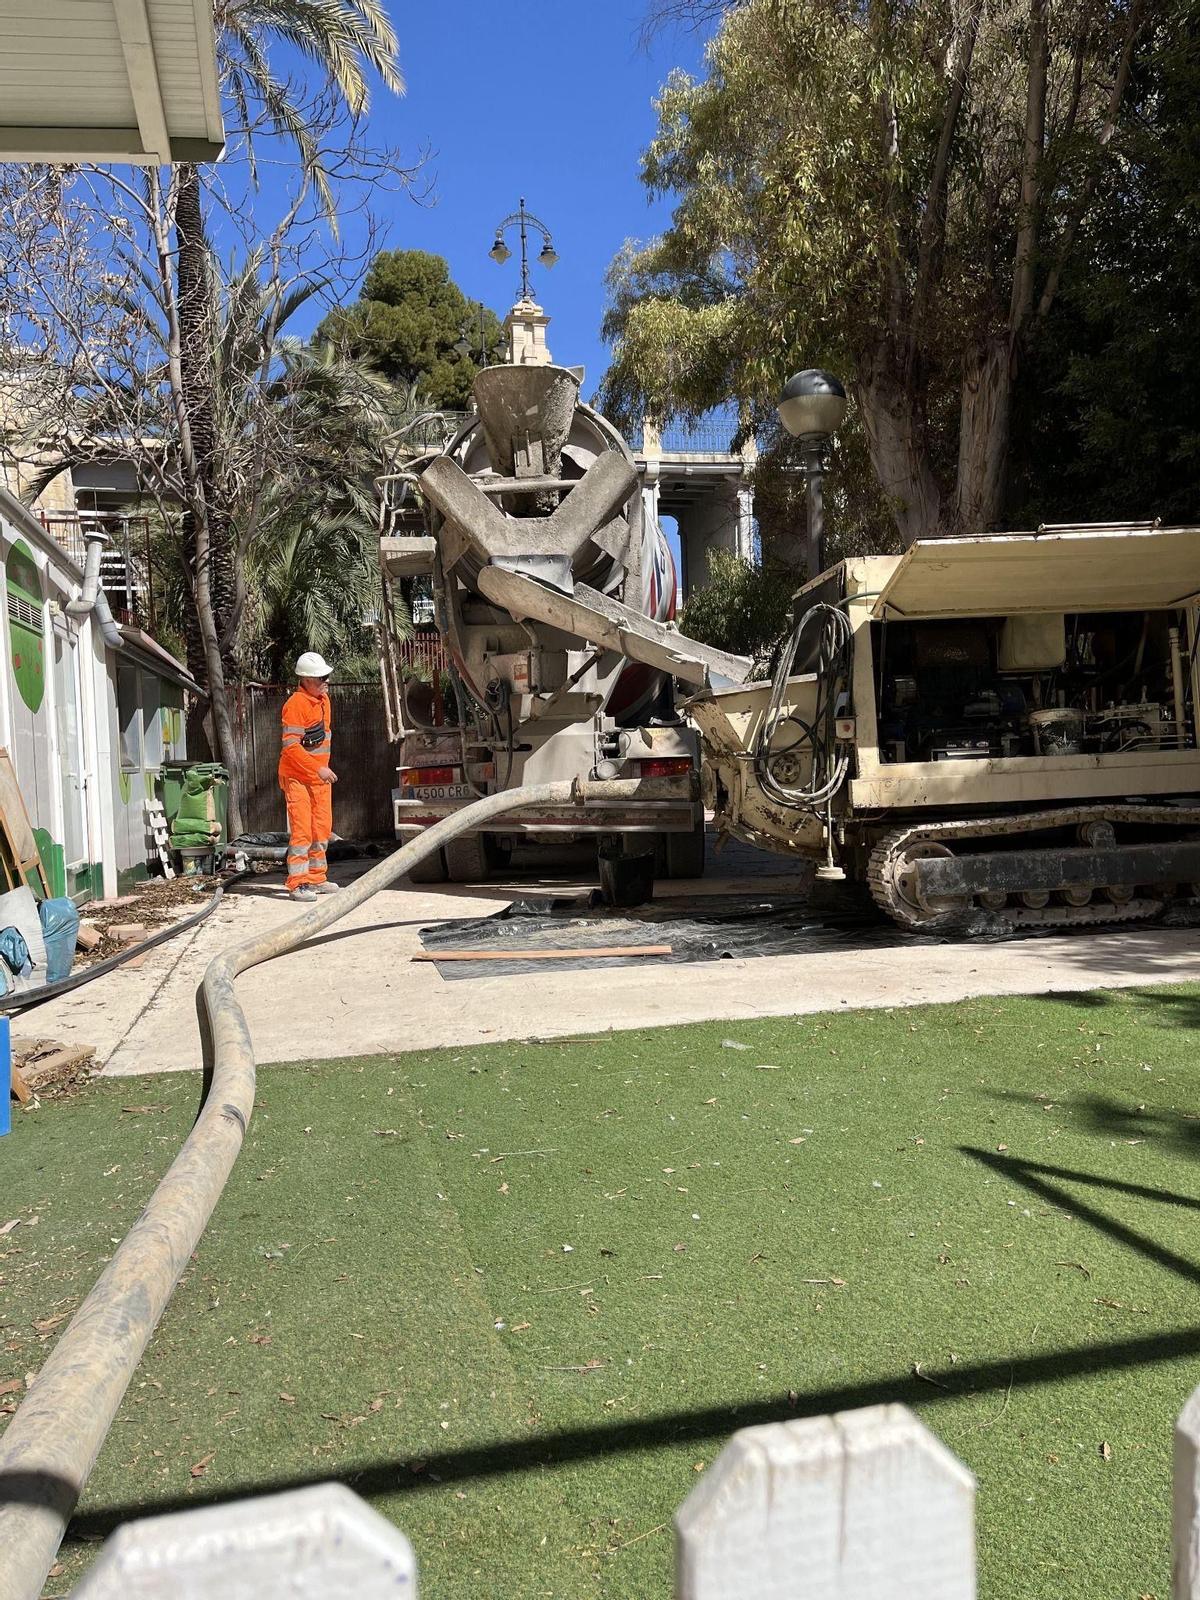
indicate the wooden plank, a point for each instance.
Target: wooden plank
{"x":1185,"y":1530}
{"x":19,"y":1087}
{"x":590,"y":952}
{"x":16,"y":828}
{"x":867,"y":1504}
{"x":318,"y":1540}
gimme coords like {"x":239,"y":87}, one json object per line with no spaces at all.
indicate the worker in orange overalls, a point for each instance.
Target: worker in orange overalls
{"x":307,"y":779}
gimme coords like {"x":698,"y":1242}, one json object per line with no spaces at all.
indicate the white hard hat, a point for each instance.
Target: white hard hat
{"x":313,"y":665}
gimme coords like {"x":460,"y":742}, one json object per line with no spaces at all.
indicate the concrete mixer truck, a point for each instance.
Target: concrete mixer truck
{"x":999,"y":729}
{"x":530,"y":700}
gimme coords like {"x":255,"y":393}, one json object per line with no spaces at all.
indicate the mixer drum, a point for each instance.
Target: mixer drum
{"x":531,"y":421}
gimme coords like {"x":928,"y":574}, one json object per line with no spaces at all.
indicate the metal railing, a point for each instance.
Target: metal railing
{"x":712,"y":435}
{"x":126,"y":568}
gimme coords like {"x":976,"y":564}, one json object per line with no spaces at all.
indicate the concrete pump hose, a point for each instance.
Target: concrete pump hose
{"x":52,"y":1442}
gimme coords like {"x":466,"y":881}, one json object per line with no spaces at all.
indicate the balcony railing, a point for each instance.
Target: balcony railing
{"x":126,"y":568}
{"x":710,"y":436}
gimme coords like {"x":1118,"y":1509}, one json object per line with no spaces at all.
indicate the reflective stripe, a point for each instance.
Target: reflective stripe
{"x":290,"y":744}
{"x":293,"y":727}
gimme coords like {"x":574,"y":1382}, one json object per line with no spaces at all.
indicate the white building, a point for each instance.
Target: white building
{"x":89,"y":711}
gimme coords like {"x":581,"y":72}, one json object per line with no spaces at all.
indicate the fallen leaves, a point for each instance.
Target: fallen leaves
{"x":141,"y":1111}
{"x":48,"y":1324}
{"x":202,"y":1466}
{"x":288,"y":1399}
{"x":1105,"y":1450}
{"x":925,"y":1378}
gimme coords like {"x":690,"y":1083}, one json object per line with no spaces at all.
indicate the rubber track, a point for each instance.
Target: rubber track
{"x":894,"y":843}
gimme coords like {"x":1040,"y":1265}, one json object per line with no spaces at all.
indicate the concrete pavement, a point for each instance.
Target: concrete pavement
{"x":363,"y":995}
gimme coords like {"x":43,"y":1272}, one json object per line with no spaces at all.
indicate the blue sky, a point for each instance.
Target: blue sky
{"x":552,"y":100}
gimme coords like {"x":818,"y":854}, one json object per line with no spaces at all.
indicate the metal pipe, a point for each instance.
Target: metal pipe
{"x":1177,"y":685}
{"x":52,"y":1443}
{"x":92,"y":598}
{"x":814,"y":480}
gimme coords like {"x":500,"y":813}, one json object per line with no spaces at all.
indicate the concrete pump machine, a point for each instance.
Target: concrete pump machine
{"x":1000,"y":726}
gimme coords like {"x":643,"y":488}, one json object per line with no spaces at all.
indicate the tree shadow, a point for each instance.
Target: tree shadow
{"x":1101,"y":1116}
{"x":1034,"y":1176}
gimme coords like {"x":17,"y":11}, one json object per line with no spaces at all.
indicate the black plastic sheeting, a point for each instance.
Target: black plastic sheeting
{"x":714,"y":928}
{"x":697,"y":927}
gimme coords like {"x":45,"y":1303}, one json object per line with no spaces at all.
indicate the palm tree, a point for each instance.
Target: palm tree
{"x":343,"y":40}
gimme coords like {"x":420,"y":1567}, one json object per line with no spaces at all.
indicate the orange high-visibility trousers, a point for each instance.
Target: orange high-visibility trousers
{"x":310,"y":822}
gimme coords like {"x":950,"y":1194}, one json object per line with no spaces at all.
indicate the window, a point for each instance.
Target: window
{"x":129,"y":715}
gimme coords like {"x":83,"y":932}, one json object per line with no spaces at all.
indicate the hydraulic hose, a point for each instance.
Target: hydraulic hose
{"x":52,"y":1443}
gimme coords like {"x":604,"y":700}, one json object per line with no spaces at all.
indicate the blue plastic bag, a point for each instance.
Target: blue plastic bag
{"x":60,"y":929}
{"x":15,"y":952}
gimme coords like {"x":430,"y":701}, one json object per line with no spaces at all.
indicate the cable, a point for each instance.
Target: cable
{"x":829,"y":763}
{"x":26,"y":999}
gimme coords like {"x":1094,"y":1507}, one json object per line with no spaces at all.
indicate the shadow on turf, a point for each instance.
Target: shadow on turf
{"x":1174,"y":1131}
{"x":711,"y":1424}
{"x":1032,"y":1175}
{"x":1181,"y":1010}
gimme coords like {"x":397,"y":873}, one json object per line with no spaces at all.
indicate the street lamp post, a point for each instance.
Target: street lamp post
{"x":462,"y":345}
{"x":524,"y":220}
{"x":812,"y":408}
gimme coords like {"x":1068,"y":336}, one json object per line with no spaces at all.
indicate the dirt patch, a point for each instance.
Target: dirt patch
{"x":154,"y":905}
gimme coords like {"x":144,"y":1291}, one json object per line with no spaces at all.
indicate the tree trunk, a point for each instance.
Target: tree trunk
{"x":207,"y":542}
{"x":988,"y":371}
{"x":894,"y":421}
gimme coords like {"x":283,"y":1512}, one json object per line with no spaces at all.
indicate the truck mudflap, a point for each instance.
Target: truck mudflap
{"x":1094,"y":864}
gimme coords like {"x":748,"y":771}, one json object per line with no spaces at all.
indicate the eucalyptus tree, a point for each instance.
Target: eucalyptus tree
{"x":890,"y":190}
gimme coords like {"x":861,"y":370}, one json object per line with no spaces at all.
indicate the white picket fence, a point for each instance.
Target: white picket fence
{"x":864,"y":1505}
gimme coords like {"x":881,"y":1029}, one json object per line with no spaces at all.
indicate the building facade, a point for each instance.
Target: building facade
{"x":87,"y":725}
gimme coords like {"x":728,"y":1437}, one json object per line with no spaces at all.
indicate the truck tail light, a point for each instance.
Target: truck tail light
{"x":663,"y":767}
{"x":419,"y":777}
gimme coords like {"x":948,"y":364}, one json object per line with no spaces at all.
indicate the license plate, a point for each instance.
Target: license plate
{"x":438,"y":791}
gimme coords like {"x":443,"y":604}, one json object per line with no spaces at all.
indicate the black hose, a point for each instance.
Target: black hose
{"x":26,"y":999}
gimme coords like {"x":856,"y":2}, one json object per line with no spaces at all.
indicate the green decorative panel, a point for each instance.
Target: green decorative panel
{"x":87,"y":883}
{"x":25,"y":625}
{"x":54,"y":860}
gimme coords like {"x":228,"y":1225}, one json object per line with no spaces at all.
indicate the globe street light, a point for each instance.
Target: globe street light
{"x":812,"y":409}
{"x":524,"y":220}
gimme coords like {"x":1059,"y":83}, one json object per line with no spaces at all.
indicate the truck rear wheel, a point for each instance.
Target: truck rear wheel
{"x":467,"y":859}
{"x":684,"y":853}
{"x":431,"y":870}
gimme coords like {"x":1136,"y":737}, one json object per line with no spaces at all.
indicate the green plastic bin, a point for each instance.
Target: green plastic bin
{"x":173,"y":775}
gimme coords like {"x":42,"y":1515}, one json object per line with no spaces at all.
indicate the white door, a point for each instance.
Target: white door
{"x":70,"y":747}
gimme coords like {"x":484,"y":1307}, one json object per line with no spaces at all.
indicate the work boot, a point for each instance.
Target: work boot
{"x":326,"y":887}
{"x":302,"y":893}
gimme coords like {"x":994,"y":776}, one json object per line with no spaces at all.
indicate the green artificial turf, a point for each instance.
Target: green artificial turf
{"x":520,"y":1295}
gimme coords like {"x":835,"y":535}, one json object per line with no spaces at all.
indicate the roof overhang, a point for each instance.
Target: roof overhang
{"x":109,"y":80}
{"x":1109,"y":568}
{"x":140,"y":644}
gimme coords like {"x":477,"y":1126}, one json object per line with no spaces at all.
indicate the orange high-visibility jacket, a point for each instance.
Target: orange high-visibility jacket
{"x":307,"y":737}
